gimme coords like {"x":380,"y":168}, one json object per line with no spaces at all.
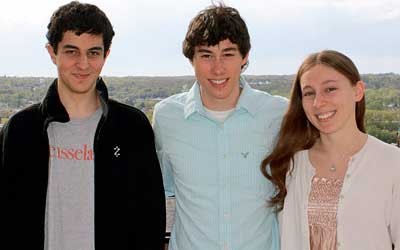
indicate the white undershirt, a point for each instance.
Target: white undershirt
{"x":219,"y":115}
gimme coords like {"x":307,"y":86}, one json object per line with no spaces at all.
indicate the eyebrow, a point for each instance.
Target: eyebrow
{"x":205,"y":50}
{"x":230,"y":49}
{"x":69,"y":46}
{"x":329,"y":81}
{"x":96,"y":48}
{"x":324,"y":82}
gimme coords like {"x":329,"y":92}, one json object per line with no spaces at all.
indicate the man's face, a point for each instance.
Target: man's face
{"x":217,"y":69}
{"x":79,"y":61}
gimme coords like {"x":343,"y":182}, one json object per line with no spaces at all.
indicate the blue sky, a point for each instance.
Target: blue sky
{"x":149,"y":34}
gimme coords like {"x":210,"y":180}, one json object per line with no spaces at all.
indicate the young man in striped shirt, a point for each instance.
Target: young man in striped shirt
{"x":212,"y":139}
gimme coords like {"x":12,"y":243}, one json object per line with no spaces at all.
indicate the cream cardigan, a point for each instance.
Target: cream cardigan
{"x":369,"y":203}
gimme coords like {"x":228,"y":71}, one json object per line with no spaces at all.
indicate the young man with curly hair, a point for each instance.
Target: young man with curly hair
{"x":79,"y":170}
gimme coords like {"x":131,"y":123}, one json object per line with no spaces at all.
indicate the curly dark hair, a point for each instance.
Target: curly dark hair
{"x":79,"y":18}
{"x":215,"y":24}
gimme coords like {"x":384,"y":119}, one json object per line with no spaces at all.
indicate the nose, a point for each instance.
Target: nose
{"x":319,"y":100}
{"x":83,"y":61}
{"x":218,"y":66}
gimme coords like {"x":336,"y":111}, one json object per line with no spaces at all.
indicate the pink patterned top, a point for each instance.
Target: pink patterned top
{"x":322,"y":210}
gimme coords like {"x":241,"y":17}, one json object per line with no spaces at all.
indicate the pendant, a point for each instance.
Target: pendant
{"x":332,"y":168}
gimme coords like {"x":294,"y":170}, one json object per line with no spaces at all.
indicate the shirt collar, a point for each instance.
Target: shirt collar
{"x":246,"y":102}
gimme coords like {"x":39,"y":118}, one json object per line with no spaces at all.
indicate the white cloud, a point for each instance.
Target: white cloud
{"x":149,"y":33}
{"x":374,"y":10}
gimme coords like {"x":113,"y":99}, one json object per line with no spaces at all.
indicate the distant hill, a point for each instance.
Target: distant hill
{"x":18,"y":92}
{"x":382,"y":95}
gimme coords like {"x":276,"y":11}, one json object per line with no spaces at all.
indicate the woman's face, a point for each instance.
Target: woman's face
{"x":329,"y":99}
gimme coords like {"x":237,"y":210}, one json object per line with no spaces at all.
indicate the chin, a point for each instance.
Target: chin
{"x":327,"y":131}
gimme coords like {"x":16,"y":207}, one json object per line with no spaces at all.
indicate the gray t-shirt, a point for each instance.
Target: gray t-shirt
{"x":70,"y":194}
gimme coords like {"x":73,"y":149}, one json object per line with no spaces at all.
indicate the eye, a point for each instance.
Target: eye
{"x":205,"y":56}
{"x":94,"y":53}
{"x":229,"y":55}
{"x":308,"y":93}
{"x":70,"y":52}
{"x":330,"y":89}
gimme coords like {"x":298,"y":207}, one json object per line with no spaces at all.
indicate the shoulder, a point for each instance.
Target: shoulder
{"x":268,"y":109}
{"x":171,"y":107}
{"x":26,"y":116}
{"x":300,"y":158}
{"x":177,"y":101}
{"x":298,"y":164}
{"x":386,"y":151}
{"x":382,"y":157}
{"x":24,"y":123}
{"x":301,"y":155}
{"x":267,"y":102}
{"x":130,"y":114}
{"x":265,"y":96}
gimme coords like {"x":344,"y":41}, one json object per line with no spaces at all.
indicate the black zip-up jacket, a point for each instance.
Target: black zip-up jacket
{"x":129,"y":201}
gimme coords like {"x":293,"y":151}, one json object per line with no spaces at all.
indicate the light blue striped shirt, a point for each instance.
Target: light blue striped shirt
{"x":213,"y":169}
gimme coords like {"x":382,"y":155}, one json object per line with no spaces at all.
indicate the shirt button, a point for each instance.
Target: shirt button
{"x":341,"y":196}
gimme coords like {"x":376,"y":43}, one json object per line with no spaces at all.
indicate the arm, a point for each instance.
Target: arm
{"x":166,"y":166}
{"x":152,"y":216}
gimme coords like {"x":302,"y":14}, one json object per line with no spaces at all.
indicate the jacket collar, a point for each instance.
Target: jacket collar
{"x":53,"y":110}
{"x":246,"y":102}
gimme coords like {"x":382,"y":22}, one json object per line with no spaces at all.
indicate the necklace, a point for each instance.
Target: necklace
{"x":333,"y":161}
{"x":344,"y":157}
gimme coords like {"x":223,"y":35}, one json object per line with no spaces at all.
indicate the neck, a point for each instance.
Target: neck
{"x":222,"y":104}
{"x":345,"y":143}
{"x":80,"y":106}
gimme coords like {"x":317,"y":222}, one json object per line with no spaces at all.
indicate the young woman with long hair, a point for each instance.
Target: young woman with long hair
{"x":336,"y":186}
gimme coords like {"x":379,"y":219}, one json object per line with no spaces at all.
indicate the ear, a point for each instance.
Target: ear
{"x":107,"y":53}
{"x":51,"y":52}
{"x":245,"y":59}
{"x":359,"y":90}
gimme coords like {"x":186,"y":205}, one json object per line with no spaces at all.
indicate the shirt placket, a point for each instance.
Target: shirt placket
{"x":224,"y":188}
{"x":342,"y":197}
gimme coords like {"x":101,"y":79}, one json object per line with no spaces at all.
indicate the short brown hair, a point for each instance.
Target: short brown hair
{"x":215,"y":24}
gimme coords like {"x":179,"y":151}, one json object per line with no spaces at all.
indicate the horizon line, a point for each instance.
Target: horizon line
{"x":122,"y":76}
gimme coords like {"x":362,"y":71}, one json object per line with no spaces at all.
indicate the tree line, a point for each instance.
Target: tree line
{"x":382,"y":95}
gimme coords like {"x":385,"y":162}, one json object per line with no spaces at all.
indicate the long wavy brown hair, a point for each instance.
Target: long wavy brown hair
{"x":296,"y":132}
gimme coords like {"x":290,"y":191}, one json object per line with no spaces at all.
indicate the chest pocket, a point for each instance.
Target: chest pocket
{"x":247,"y":176}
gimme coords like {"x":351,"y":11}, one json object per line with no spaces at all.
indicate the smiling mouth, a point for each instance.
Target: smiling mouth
{"x":325,"y":116}
{"x":81,"y":76}
{"x":218,"y":82}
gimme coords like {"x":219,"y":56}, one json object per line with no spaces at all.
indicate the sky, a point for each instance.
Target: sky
{"x":149,"y":34}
